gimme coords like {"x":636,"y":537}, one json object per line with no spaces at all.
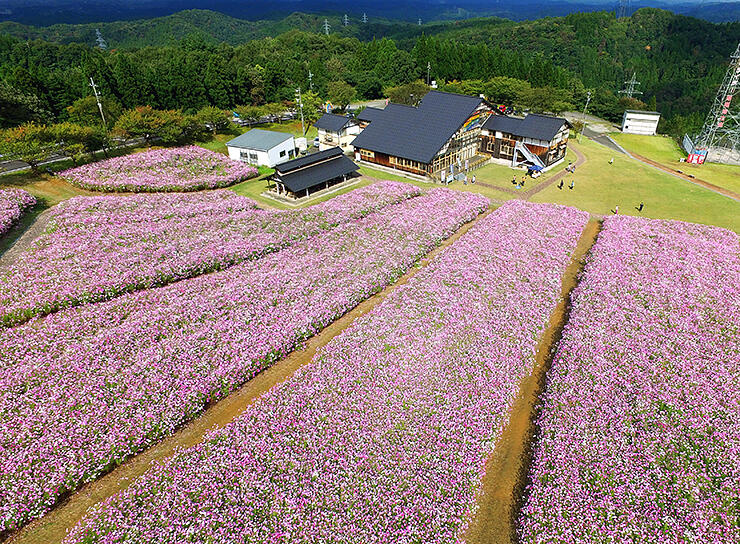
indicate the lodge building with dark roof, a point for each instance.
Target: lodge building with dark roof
{"x":537,"y":140}
{"x":317,"y":171}
{"x":443,"y":129}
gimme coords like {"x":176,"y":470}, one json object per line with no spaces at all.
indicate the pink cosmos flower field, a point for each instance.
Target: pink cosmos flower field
{"x":189,"y":168}
{"x":13,"y":202}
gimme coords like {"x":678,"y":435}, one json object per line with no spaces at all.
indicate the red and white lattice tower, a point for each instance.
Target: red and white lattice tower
{"x":719,"y":140}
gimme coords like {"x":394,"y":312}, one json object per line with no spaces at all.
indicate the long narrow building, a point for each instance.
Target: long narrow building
{"x":443,"y":129}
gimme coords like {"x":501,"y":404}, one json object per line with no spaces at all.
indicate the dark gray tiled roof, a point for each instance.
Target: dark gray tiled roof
{"x":369,"y":114}
{"x":332,"y":122}
{"x":417,"y":133}
{"x":317,"y":173}
{"x":312,"y":158}
{"x":538,"y":127}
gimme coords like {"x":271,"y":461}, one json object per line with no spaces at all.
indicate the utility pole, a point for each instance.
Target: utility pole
{"x":327,"y":26}
{"x":300,"y":105}
{"x":346,"y":20}
{"x":364,"y":17}
{"x":429,"y":72}
{"x":100,"y":106}
{"x":588,"y":100}
{"x":310,"y":80}
{"x":630,"y":91}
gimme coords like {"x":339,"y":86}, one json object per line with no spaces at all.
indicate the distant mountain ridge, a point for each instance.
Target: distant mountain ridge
{"x":49,"y":12}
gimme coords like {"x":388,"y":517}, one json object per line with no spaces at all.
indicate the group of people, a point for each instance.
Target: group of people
{"x":445,"y":179}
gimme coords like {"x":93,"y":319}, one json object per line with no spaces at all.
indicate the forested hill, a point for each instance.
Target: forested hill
{"x":199,"y":58}
{"x":213,"y":27}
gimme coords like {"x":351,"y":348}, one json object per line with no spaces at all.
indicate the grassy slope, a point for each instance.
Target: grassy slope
{"x":599,"y":187}
{"x":666,"y":151}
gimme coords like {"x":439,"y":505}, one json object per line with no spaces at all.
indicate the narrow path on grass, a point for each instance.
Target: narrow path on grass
{"x":53,"y":527}
{"x":580,"y":159}
{"x":505,"y":479}
{"x":526,"y":195}
{"x":700,"y":182}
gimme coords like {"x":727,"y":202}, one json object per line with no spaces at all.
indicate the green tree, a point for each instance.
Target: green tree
{"x":409,"y":94}
{"x":250,"y":114}
{"x":84,"y":111}
{"x":215,"y":119}
{"x":312,"y":106}
{"x":148,"y":123}
{"x":506,"y":90}
{"x":340,"y":93}
{"x":17,"y":107}
{"x":30,"y":143}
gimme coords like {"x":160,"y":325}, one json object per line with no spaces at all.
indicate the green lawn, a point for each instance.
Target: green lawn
{"x":501,"y":176}
{"x":666,"y":151}
{"x":599,"y":187}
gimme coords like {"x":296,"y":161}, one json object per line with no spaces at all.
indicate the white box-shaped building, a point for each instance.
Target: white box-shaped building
{"x":640,"y":122}
{"x":262,"y":147}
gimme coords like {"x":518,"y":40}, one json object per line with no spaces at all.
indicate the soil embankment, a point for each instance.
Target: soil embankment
{"x":505,"y":479}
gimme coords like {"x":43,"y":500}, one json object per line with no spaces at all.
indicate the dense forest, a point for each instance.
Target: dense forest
{"x":191,"y":60}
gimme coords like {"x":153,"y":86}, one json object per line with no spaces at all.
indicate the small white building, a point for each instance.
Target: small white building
{"x":262,"y":147}
{"x":337,"y":131}
{"x":640,"y":122}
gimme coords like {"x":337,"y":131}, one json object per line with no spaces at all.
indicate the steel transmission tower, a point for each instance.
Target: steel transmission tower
{"x":327,"y":27}
{"x":630,"y":90}
{"x":720,"y":136}
{"x":624,"y":9}
{"x":345,"y":21}
{"x":364,"y":17}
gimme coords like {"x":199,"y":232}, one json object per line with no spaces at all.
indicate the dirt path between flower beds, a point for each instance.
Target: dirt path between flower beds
{"x":24,"y":241}
{"x":506,"y":470}
{"x":53,"y":527}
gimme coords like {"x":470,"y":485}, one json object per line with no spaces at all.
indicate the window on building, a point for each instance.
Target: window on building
{"x":507,"y":149}
{"x":243,"y":155}
{"x":365,"y":154}
{"x":282,"y":153}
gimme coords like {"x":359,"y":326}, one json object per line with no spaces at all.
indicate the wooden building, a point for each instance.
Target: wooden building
{"x":536,"y":140}
{"x":301,"y":177}
{"x":423,"y":140}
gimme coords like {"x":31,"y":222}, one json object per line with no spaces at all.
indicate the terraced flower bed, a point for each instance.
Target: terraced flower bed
{"x":385,"y":435}
{"x":13,"y":202}
{"x":189,"y":168}
{"x":639,"y":433}
{"x":97,"y":248}
{"x":83,"y":389}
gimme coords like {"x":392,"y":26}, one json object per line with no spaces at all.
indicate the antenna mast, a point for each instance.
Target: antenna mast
{"x":720,"y":136}
{"x":630,"y":91}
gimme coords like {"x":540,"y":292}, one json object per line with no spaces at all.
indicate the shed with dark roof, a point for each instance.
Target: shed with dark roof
{"x":300,"y":177}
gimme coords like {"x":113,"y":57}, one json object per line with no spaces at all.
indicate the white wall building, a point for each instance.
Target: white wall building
{"x":640,"y":122}
{"x":262,"y":147}
{"x":337,"y":131}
